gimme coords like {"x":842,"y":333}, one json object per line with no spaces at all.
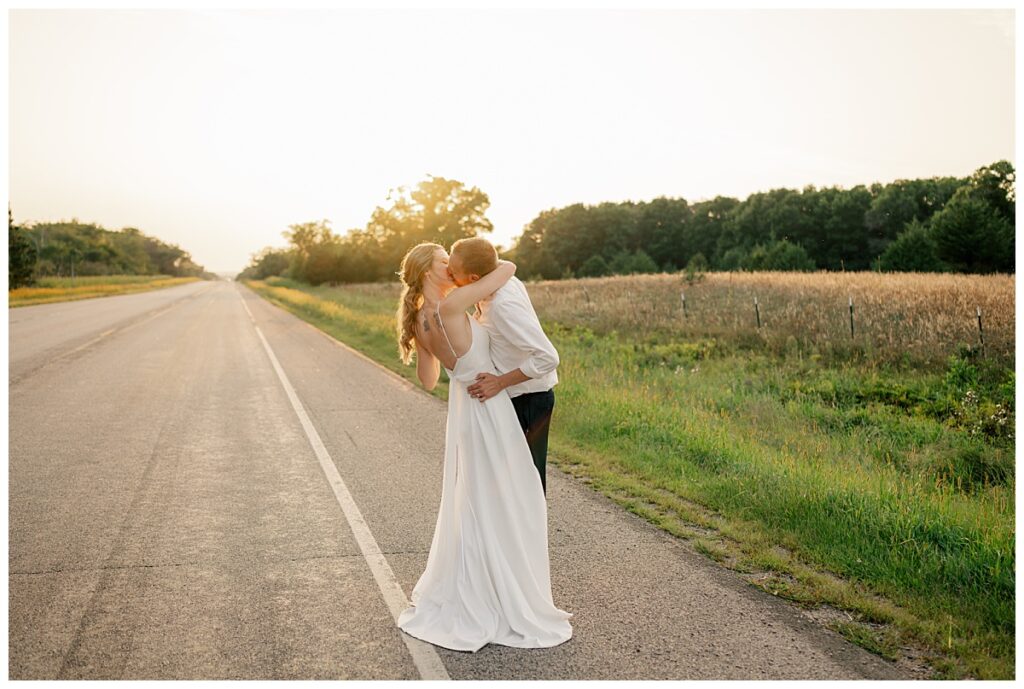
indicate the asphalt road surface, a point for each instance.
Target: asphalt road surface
{"x":202,"y":485}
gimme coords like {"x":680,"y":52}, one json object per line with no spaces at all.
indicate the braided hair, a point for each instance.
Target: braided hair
{"x":415,"y":265}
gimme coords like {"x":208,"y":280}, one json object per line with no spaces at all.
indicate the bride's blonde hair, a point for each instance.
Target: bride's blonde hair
{"x":415,"y":264}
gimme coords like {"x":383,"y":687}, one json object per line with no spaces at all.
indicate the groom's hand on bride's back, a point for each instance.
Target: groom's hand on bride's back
{"x":486,"y":386}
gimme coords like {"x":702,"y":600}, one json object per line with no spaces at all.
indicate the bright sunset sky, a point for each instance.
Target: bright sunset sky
{"x":215,"y":130}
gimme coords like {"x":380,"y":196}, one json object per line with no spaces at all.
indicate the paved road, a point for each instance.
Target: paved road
{"x":170,"y":518}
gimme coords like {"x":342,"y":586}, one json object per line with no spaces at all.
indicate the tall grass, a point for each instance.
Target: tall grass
{"x":871,"y":496}
{"x":891,"y":487}
{"x":920,"y":317}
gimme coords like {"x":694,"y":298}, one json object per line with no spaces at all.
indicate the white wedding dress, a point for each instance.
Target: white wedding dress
{"x":487,"y":578}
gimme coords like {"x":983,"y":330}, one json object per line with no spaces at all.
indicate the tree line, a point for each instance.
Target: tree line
{"x":437,"y":210}
{"x":71,"y":248}
{"x":939,"y":224}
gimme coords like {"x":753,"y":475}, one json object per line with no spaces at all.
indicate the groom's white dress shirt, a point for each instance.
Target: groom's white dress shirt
{"x":517,"y":340}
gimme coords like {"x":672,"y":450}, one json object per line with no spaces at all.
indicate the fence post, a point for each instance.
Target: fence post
{"x":682,"y":297}
{"x":851,"y":316}
{"x":757,"y":312}
{"x":981,"y":333}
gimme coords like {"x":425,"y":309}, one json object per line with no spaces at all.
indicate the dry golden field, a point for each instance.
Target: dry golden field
{"x":52,"y":289}
{"x":921,"y":316}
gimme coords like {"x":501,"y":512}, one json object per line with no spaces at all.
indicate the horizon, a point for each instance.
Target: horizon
{"x":198,"y":134}
{"x":691,"y":202}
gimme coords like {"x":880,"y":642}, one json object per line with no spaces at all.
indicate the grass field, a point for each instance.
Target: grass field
{"x":68,"y":289}
{"x":869,"y":480}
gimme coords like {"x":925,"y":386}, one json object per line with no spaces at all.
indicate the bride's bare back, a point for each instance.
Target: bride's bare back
{"x":430,"y":334}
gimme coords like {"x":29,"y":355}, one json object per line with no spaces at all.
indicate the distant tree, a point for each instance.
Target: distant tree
{"x":914,"y":250}
{"x":695,"y":268}
{"x":756,"y":258}
{"x":972,"y":236}
{"x":703,"y":231}
{"x":779,"y":255}
{"x":450,"y":211}
{"x":360,"y":259}
{"x":531,"y":254}
{"x":621,"y":263}
{"x":642,"y":263}
{"x":628,"y":263}
{"x":593,"y":267}
{"x":697,"y":262}
{"x":323,"y":261}
{"x":304,"y":238}
{"x":573,"y":234}
{"x":899,"y":202}
{"x":437,"y":210}
{"x":844,"y":242}
{"x":21,"y":254}
{"x":732,"y":259}
{"x":995,"y":184}
{"x":661,"y":230}
{"x":266,"y":262}
{"x":75,"y":248}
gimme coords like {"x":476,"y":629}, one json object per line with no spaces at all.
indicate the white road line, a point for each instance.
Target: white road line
{"x":247,"y":309}
{"x":423,"y":654}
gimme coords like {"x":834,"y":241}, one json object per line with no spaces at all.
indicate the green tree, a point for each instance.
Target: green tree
{"x":573,"y":234}
{"x":450,"y":211}
{"x":594,"y":267}
{"x":732,"y":259}
{"x":994,"y":184}
{"x":779,"y":255}
{"x":530,"y":253}
{"x":305,"y":238}
{"x":266,"y":262}
{"x":642,"y":263}
{"x":703,"y":231}
{"x":323,"y":262}
{"x":972,"y":236}
{"x":628,"y":263}
{"x":697,"y":262}
{"x":914,"y":250}
{"x":72,"y":247}
{"x":438,"y":210}
{"x":621,"y":263}
{"x":21,"y":254}
{"x":899,"y":202}
{"x":843,"y":243}
{"x":661,"y":230}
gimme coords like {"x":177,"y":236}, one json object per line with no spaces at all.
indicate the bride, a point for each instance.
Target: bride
{"x":487,"y":578}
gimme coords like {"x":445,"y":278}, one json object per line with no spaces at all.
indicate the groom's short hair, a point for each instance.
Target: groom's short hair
{"x":478,"y":255}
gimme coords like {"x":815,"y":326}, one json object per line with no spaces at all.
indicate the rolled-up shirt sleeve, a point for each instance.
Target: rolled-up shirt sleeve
{"x":519,"y":325}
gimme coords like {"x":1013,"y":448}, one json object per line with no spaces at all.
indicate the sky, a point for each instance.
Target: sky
{"x":216,"y":130}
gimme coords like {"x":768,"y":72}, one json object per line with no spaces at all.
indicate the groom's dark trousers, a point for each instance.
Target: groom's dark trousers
{"x":534,"y":412}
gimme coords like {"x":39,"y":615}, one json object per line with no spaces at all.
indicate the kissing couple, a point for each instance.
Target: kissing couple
{"x":487,"y":578}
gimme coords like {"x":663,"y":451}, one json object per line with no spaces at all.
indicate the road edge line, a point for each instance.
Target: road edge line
{"x":424,"y":657}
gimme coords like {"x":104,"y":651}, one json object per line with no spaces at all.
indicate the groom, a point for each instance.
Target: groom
{"x":519,"y":348}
